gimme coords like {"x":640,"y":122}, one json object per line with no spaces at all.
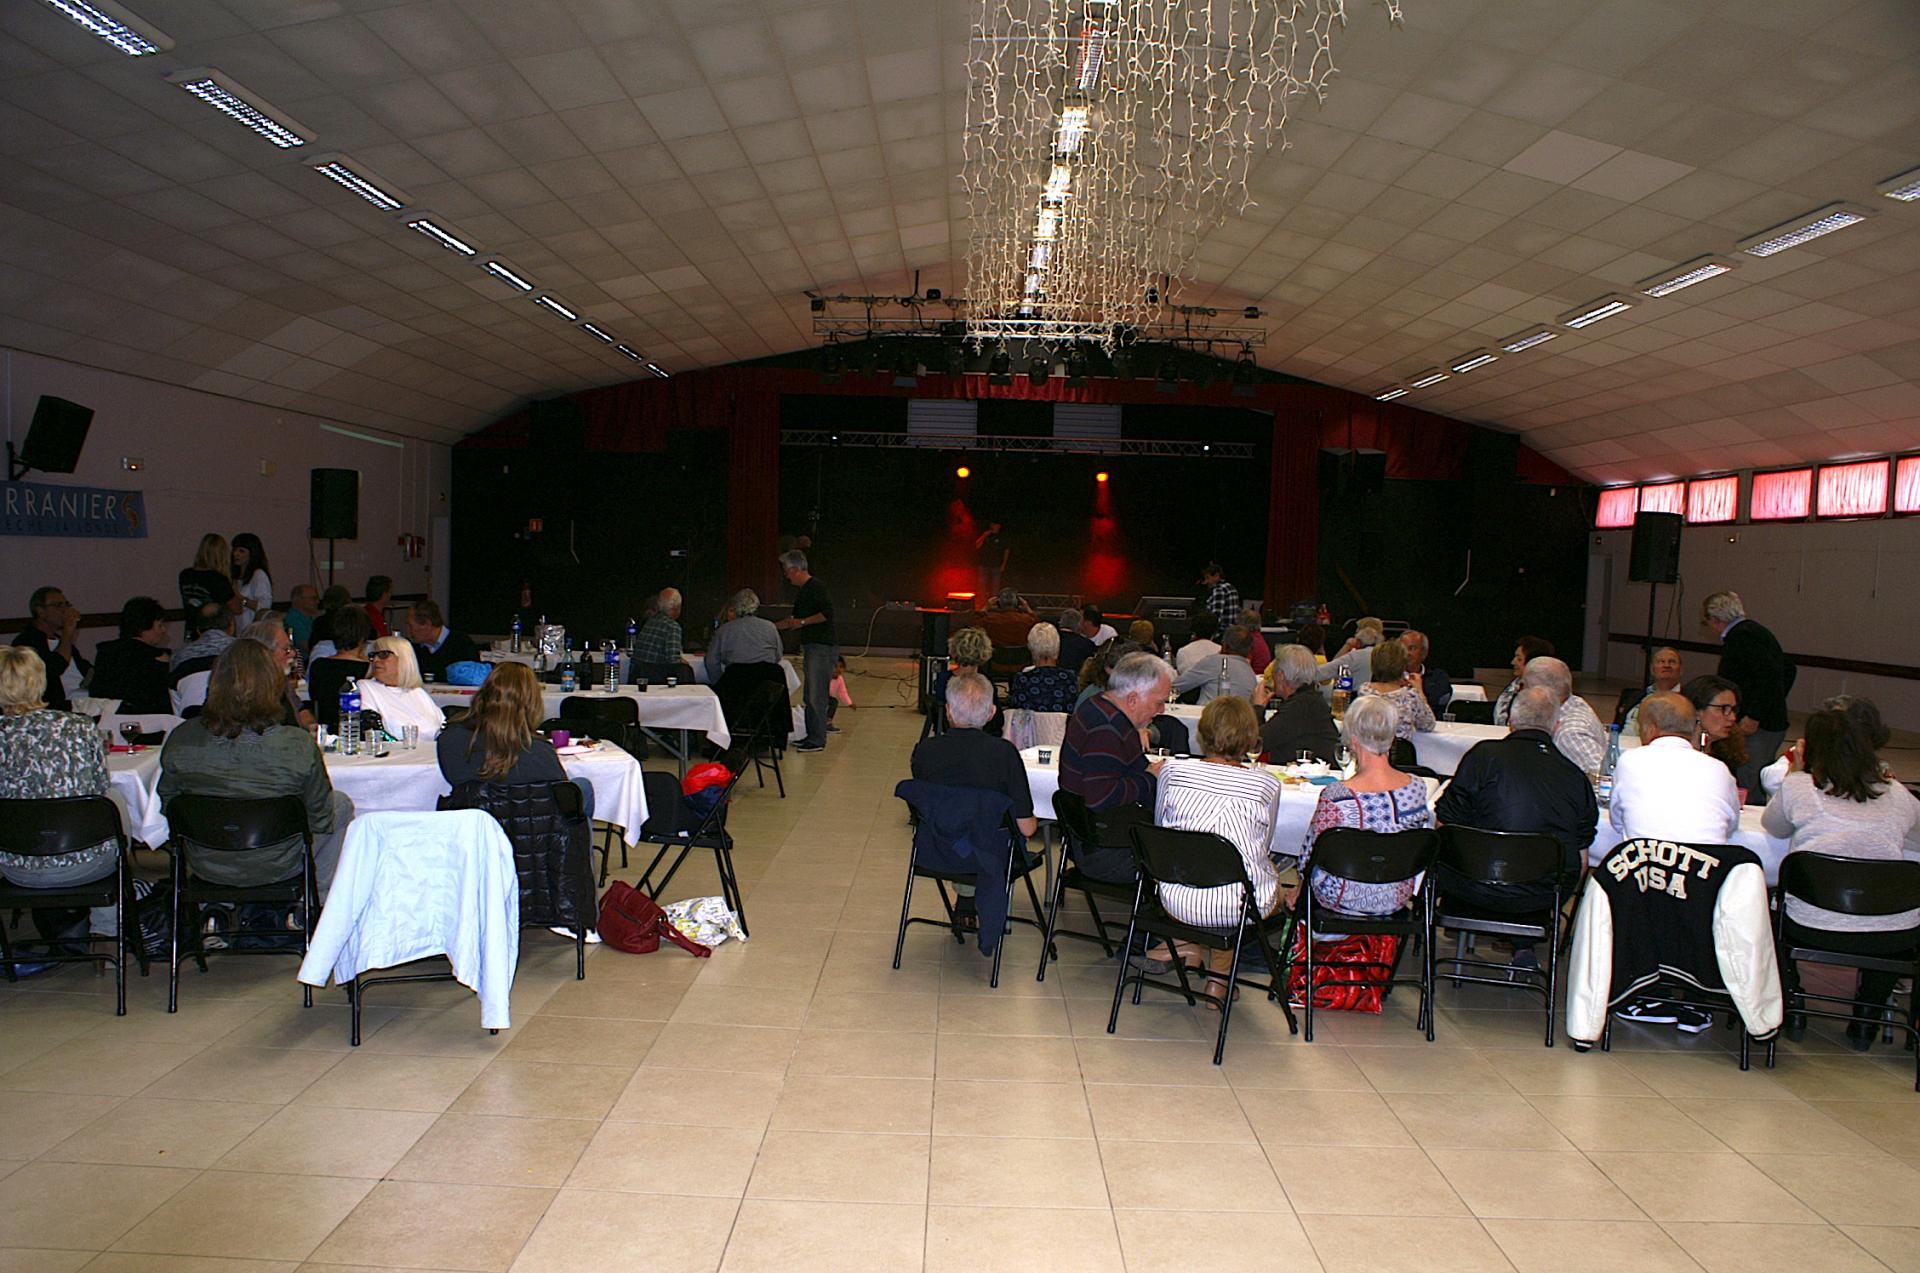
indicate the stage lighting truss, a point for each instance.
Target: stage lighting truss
{"x":866,"y":317}
{"x":1188,"y":448}
{"x":1106,"y":138}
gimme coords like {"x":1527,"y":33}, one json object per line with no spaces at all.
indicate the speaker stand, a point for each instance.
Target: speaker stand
{"x":1646,"y":648}
{"x":333,"y":560}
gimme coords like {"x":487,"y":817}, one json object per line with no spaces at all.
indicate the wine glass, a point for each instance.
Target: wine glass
{"x":130,"y":731}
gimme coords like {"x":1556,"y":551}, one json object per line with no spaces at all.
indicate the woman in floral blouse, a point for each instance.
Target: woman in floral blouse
{"x":1377,"y":798}
{"x":1391,"y":680}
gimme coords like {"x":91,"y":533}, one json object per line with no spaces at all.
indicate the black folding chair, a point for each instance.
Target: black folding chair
{"x":60,"y":825}
{"x":1850,"y":886}
{"x":1470,"y":712}
{"x":1021,"y":864}
{"x":1511,"y":859}
{"x":766,"y":739}
{"x":231,"y":830}
{"x":1375,"y":857}
{"x":660,"y":673}
{"x":671,"y":825}
{"x":1083,"y":829}
{"x":1402,"y":756}
{"x":1171,"y":733}
{"x":552,"y":852}
{"x":1200,"y":859}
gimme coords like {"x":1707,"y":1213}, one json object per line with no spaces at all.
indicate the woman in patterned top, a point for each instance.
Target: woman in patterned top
{"x":1377,"y":798}
{"x":1046,"y":686}
{"x":46,"y":755}
{"x":1402,"y":688}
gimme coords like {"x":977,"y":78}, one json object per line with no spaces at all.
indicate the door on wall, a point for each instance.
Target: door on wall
{"x":1599,"y":608}
{"x":440,"y":562}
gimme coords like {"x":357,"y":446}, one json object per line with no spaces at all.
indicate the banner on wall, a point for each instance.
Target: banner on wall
{"x":71,"y":512}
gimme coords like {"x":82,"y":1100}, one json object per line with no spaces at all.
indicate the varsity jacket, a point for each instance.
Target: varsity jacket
{"x":1695,"y":914}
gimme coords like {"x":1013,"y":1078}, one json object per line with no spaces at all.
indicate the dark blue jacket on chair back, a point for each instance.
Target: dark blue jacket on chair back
{"x":963,"y":831}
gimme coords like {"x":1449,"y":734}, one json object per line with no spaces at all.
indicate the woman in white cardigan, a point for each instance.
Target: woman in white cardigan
{"x":396,"y":691}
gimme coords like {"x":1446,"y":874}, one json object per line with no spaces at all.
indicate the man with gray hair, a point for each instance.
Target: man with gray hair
{"x":659,"y":640}
{"x":967,"y":756}
{"x":1300,"y":721}
{"x":1075,"y":647}
{"x":1232,"y":667}
{"x":1520,"y":783}
{"x":1103,"y":759}
{"x":1356,"y":656}
{"x":812,"y":615}
{"x":744,"y":638}
{"x":1751,"y":657}
{"x":1577,"y":730}
{"x":1434,"y":681}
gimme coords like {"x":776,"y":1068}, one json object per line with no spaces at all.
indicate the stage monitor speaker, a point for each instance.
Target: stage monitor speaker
{"x":1656,"y":549}
{"x":334,"y":504}
{"x":1357,"y":472}
{"x":54,"y":439}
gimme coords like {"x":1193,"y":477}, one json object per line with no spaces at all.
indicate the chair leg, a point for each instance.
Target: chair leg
{"x":120,"y":940}
{"x":1226,"y":1001}
{"x":353,"y":1011}
{"x":1553,"y":971}
{"x":1047,"y":952}
{"x":730,"y":884}
{"x":6,"y":949}
{"x":645,"y":883}
{"x":309,"y":894}
{"x":1306,"y":945}
{"x":1120,"y":977}
{"x":580,"y":952}
{"x":173,"y":941}
{"x":906,"y":908}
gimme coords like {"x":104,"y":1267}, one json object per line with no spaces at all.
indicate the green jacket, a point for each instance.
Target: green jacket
{"x":283,"y":761}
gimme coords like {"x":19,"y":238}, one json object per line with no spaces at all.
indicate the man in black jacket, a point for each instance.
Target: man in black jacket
{"x":134,"y":667}
{"x":1751,"y":657}
{"x":50,"y":635}
{"x":436,"y":647}
{"x":1522,"y":782}
{"x":1300,"y":721}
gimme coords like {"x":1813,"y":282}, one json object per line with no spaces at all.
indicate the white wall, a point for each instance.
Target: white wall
{"x":1846,"y":590}
{"x":202,"y":471}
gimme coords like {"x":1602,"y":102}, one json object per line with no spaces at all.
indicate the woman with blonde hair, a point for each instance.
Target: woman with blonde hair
{"x":209,"y":578}
{"x":395,"y":690}
{"x":499,"y":739}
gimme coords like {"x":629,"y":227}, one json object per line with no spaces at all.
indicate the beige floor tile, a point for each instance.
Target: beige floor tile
{"x":706,"y":1004}
{"x":1022,"y":1240}
{"x":80,"y":1206}
{"x":776,"y":1236}
{"x":966,"y":1108}
{"x":1182,"y":1241}
{"x":35,"y":1122}
{"x":147,"y":1132}
{"x":1427,"y":1069}
{"x":1355,"y":1180}
{"x":1402,"y":1244}
{"x":1147,"y":1175}
{"x":23,"y":1260}
{"x":99,"y":1065}
{"x":247,"y":1215}
{"x":1560,"y":1071}
{"x":859,"y":1052}
{"x":1635,"y":1123}
{"x":835,"y":1167}
{"x":325,"y":1027}
{"x":1710,"y":1187}
{"x":365,"y":1081}
{"x":538,"y":1089}
{"x":221,"y":1073}
{"x":1894,"y":1128}
{"x":1685,"y":1076}
{"x":615,"y":999}
{"x":145,"y":1262}
{"x":1135,"y":1112}
{"x":1001,"y":1016}
{"x":466,"y":1149}
{"x":1020,"y":1060}
{"x":751,"y":1049}
{"x":1293,"y":1066}
{"x":1182,"y":1063}
{"x":702,"y":1098}
{"x":822,"y":1103}
{"x":1588,"y":1246}
{"x":319,"y":1140}
{"x":1474,"y":1120}
{"x":588,"y":1232}
{"x":492,"y":1226}
{"x":450,"y":1031}
{"x":836,"y":1010}
{"x":1772,"y":1248}
{"x":1866,"y":1189}
{"x":614,"y":1042}
{"x":1897,"y":1248}
{"x":642,"y":1158}
{"x":989,"y":1171}
{"x":1540,"y":1184}
{"x":1775,"y":1127}
{"x":1157,"y":1016}
{"x":1282,"y":1118}
{"x":1851,"y":1078}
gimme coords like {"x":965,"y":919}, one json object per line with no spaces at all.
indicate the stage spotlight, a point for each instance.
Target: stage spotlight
{"x":963,"y":471}
{"x":817,"y":304}
{"x":1243,"y":373}
{"x":1100,"y":477}
{"x":1038,"y":371}
{"x":1077,"y":369}
{"x":1123,"y":365}
{"x":956,"y":359}
{"x":831,"y":364}
{"x":1168,"y":378}
{"x":1000,"y":367}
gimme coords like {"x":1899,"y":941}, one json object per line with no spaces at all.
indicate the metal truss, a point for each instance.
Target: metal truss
{"x":1197,"y":449}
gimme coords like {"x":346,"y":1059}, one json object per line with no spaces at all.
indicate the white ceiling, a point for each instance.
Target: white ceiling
{"x":679,"y":170}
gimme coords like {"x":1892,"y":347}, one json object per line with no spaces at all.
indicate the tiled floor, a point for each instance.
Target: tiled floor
{"x":796,"y":1104}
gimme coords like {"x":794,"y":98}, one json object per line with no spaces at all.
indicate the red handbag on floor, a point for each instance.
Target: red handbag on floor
{"x":1337,"y":965}
{"x":633,"y":922}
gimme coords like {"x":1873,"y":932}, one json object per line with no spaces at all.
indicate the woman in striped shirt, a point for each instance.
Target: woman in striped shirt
{"x":1223,"y":794}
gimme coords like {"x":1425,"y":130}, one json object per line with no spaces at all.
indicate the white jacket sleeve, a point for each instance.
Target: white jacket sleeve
{"x":1590,"y":966}
{"x":1743,"y":939}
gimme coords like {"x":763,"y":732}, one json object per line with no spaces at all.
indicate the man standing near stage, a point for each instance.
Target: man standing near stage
{"x":992,"y":552}
{"x":813,"y":616}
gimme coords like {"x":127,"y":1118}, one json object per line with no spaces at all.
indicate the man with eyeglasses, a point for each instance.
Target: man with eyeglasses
{"x":50,"y":635}
{"x":1751,"y":657}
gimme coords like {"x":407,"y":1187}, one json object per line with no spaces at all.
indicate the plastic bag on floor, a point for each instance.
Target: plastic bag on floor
{"x":705,"y":919}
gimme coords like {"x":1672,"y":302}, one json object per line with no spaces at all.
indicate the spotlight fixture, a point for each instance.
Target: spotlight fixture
{"x":1123,"y":364}
{"x":1593,"y":311}
{"x":1478,"y":358}
{"x":115,"y":26}
{"x":1243,"y":373}
{"x":506,"y":274}
{"x":1167,"y":379}
{"x":343,"y":170}
{"x":1038,"y":372}
{"x":955,"y":358}
{"x":227,"y":97}
{"x":1101,"y":477}
{"x":1528,"y":339}
{"x":1816,"y":224}
{"x":831,"y":364}
{"x":1000,"y":367}
{"x":1388,"y":395}
{"x":1432,"y":376}
{"x":933,"y":293}
{"x":963,"y":472}
{"x":1699,"y":270}
{"x":1077,"y":368}
{"x":906,"y":369}
{"x":426,"y":225}
{"x":1902,"y":189}
{"x":817,"y":304}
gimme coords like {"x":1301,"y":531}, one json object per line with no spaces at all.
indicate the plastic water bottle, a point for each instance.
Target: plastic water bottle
{"x":613,"y":668}
{"x":516,"y":634}
{"x":633,"y":635}
{"x":1607,"y":765}
{"x":1222,"y":688}
{"x":350,"y":716}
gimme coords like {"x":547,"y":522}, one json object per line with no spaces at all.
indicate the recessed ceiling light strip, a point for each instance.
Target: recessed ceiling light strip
{"x":1594,"y":311}
{"x":227,"y":97}
{"x":445,"y":238}
{"x":1426,"y":378}
{"x":1388,"y":395}
{"x":338,"y":170}
{"x":1684,"y":276}
{"x":115,"y":26}
{"x":547,"y":302}
{"x":597,"y":332}
{"x":500,"y":270}
{"x":1478,"y":358}
{"x":1818,"y":224}
{"x":1521,"y":341}
{"x":1902,"y":189}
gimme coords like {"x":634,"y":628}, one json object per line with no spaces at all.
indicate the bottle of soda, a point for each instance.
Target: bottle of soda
{"x":613,"y":668}
{"x":1322,"y":618}
{"x":350,"y":716}
{"x":633,"y":635}
{"x":1607,"y":765}
{"x":516,"y":633}
{"x":1343,"y":690}
{"x":1222,"y":687}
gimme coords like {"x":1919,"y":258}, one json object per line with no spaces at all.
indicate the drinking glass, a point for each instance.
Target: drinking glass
{"x":130,"y":731}
{"x":409,"y":737}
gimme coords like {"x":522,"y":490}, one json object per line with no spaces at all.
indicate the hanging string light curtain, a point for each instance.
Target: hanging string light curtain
{"x":1105,"y":138}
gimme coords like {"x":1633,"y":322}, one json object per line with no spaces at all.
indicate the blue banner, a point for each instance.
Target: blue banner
{"x":74,"y":512}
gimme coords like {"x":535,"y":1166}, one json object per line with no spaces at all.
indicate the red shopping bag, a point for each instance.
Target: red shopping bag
{"x":1337,"y":965}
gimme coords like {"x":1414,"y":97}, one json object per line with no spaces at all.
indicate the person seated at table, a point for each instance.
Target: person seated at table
{"x":379,"y":594}
{"x":1094,"y":672}
{"x":1006,"y":620}
{"x":1094,"y":626}
{"x":742,"y":637}
{"x":436,"y":647}
{"x":968,"y":650}
{"x":1356,"y":656}
{"x":1528,"y":649}
{"x":1862,"y":712}
{"x":1577,"y":731}
{"x":1075,"y":649}
{"x":327,"y":673}
{"x":47,"y":755}
{"x":303,"y":611}
{"x":1435,"y":684}
{"x":1201,"y":631}
{"x":1835,"y":799}
{"x":1221,"y":793}
{"x":210,"y":633}
{"x":133,"y":667}
{"x":1666,"y":678}
{"x":499,"y":738}
{"x":1665,"y":789}
{"x":1103,"y":758}
{"x":1716,"y":704}
{"x":335,"y":599}
{"x":50,"y":634}
{"x":270,"y":630}
{"x":1314,"y":638}
{"x":660,"y":638}
{"x":1300,"y":721}
{"x":967,"y":756}
{"x":1377,"y":798}
{"x":1142,"y":633}
{"x":1046,"y":686}
{"x":1261,"y":654}
{"x":396,"y":691}
{"x":1229,"y":672}
{"x":1391,"y":680}
{"x":1520,"y":783}
{"x":239,"y":748}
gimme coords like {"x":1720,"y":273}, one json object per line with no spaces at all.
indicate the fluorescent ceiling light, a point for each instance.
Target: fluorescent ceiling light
{"x":1059,"y":181}
{"x":547,"y":302}
{"x":114,"y":25}
{"x":1478,"y":358}
{"x":658,"y":370}
{"x":1835,"y":216}
{"x":1904,"y":188}
{"x":1426,"y":378}
{"x":1527,"y":340}
{"x":500,"y":270}
{"x":1679,"y":277}
{"x":1593,"y":311}
{"x":227,"y":97}
{"x":1388,"y":395}
{"x":630,"y":352}
{"x":439,"y":234}
{"x":596,"y":332}
{"x":347,"y":173}
{"x":1073,"y":128}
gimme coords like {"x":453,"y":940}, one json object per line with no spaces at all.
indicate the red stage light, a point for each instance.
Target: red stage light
{"x":963,"y":471}
{"x":1101,"y":476}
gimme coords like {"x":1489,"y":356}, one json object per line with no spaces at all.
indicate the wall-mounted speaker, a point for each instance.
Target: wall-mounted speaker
{"x":1655,"y":556}
{"x":58,"y":432}
{"x":333,"y":506}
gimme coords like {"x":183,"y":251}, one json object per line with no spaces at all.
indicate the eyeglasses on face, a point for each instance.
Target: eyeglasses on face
{"x":1723,"y":707}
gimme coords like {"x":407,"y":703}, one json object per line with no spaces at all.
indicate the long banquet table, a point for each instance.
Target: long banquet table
{"x":687,"y":708}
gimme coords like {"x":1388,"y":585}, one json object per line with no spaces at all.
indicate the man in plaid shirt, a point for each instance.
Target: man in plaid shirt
{"x":659,"y":638}
{"x":1223,"y":599}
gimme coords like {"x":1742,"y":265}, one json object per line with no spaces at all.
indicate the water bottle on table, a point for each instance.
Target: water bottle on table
{"x":1603,"y":789}
{"x":515,"y":629}
{"x":613,"y":668}
{"x":350,"y":716}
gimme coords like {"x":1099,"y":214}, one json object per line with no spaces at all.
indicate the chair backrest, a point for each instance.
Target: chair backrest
{"x":620,"y":710}
{"x":1170,"y":732}
{"x":1401,"y":753}
{"x":660,"y":673}
{"x":225,"y":825}
{"x":1071,"y":812}
{"x":1199,"y":859}
{"x":1375,"y":857}
{"x":552,"y":845}
{"x":1851,"y":886}
{"x":190,"y":692}
{"x":1500,"y":857}
{"x":941,"y":806}
{"x":1470,"y":712}
{"x":43,"y":828}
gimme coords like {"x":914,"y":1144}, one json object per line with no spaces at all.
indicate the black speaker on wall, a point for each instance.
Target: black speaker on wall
{"x":1655,"y":556}
{"x":58,"y":432}
{"x":334,"y":504}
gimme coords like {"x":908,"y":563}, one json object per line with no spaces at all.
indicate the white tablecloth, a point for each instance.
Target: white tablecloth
{"x":1750,"y":836}
{"x":690,"y":707}
{"x":699,"y":666}
{"x":400,"y":782}
{"x":1441,"y":748}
